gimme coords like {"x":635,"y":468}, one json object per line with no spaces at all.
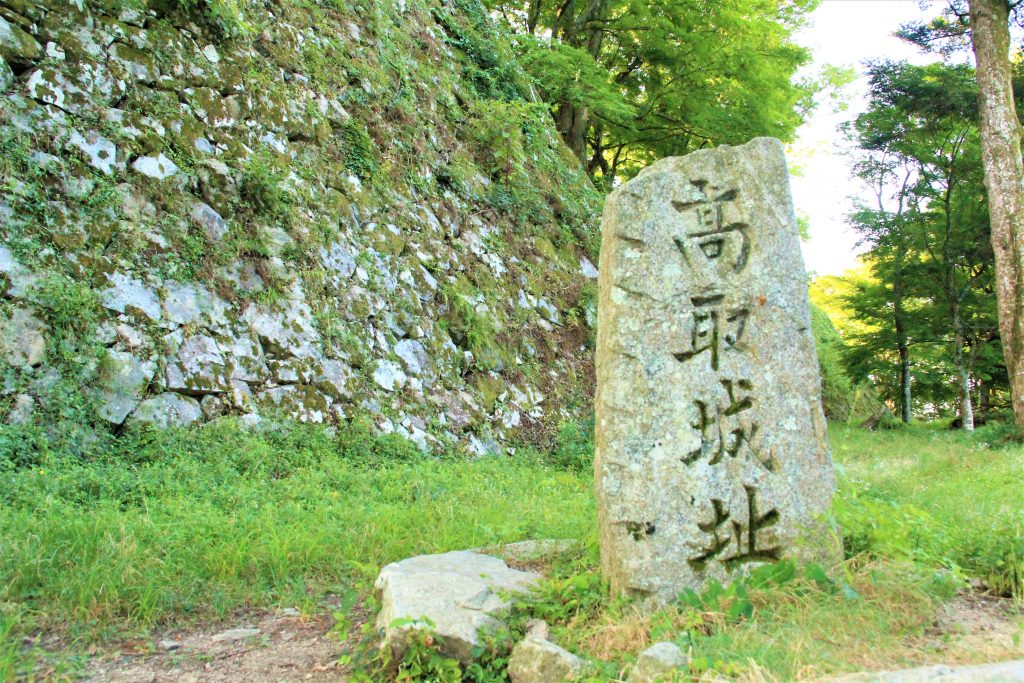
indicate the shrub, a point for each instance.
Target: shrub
{"x":574,"y":446}
{"x":226,"y":17}
{"x":837,"y":391}
{"x":470,"y":328}
{"x":491,"y":70}
{"x":360,"y":152}
{"x":505,"y":134}
{"x":262,"y":187}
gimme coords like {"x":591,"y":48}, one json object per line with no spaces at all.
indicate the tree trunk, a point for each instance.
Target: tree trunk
{"x":572,"y":124}
{"x":901,"y":343}
{"x":984,"y":401}
{"x":576,"y":25}
{"x":1004,"y":180}
{"x":533,"y":16}
{"x":963,"y":372}
{"x":597,"y":160}
{"x":905,"y":383}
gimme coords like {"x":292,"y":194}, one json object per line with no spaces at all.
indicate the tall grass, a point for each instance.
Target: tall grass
{"x":938,"y":497}
{"x":196,"y":524}
{"x":169,"y":527}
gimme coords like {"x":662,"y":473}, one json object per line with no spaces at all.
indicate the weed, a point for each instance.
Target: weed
{"x":421,"y":658}
{"x":574,"y":447}
{"x":470,"y":327}
{"x":165,"y":527}
{"x":490,"y":69}
{"x":262,"y":187}
{"x":160,"y":526}
{"x":360,"y":153}
{"x":940,"y":498}
{"x":229,"y":18}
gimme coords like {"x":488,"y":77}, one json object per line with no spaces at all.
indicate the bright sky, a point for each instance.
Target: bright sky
{"x":842,"y":33}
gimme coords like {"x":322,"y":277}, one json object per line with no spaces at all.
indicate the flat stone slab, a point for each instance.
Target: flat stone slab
{"x":235,"y":634}
{"x":529,"y":551}
{"x":711,"y":453}
{"x":1003,"y":672}
{"x":460,"y":593}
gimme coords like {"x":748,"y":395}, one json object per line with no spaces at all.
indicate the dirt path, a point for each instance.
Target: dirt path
{"x":970,"y":629}
{"x":974,"y":628}
{"x":286,"y":647}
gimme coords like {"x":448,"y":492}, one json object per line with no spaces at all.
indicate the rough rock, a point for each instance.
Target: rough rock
{"x":217,"y":184}
{"x":123,"y":382}
{"x":188,"y":303}
{"x":413,"y":356}
{"x":588,"y":269}
{"x":458,"y":591}
{"x":22,"y":410}
{"x":539,"y":629}
{"x":167,"y":410}
{"x":389,"y":376}
{"x":658,"y":663}
{"x":214,"y":227}
{"x":334,"y":378}
{"x":23,"y":338}
{"x":6,"y":75}
{"x":75,"y":88}
{"x":127,"y":294}
{"x":168,"y":645}
{"x":535,"y":660}
{"x":246,"y":357}
{"x":134,"y":64}
{"x":16,"y":46}
{"x":20,"y":279}
{"x":339,"y":260}
{"x":212,"y":406}
{"x":548,"y":311}
{"x":297,"y":401}
{"x":711,"y":452}
{"x":158,"y":167}
{"x":99,"y":152}
{"x":289,"y":332}
{"x":197,"y":367}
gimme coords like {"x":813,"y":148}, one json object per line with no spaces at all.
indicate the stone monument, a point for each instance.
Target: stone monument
{"x":711,"y":447}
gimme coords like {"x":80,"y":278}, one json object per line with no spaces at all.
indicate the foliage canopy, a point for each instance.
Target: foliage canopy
{"x":630,"y":81}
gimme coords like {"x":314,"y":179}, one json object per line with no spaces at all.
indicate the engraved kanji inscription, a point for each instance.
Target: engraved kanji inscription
{"x":640,"y":530}
{"x":736,"y":542}
{"x":709,"y":236}
{"x":710,"y":449}
{"x":714,"y":329}
{"x":723,"y":433}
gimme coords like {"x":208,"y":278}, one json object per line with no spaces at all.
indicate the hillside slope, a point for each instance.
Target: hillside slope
{"x":322,"y":210}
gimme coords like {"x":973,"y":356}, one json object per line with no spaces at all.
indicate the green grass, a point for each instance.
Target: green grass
{"x":925,"y":513}
{"x":169,"y":528}
{"x":939,"y":497}
{"x":198,"y":524}
{"x":873,"y":614}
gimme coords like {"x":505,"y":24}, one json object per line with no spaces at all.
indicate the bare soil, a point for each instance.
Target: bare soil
{"x":287,"y":648}
{"x":972,"y":628}
{"x":975,"y":628}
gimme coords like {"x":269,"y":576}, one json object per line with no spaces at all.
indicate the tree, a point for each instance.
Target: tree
{"x":630,"y":81}
{"x":891,"y":250}
{"x":921,"y":153}
{"x":1004,"y":180}
{"x":876,"y":350}
{"x":987,"y":23}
